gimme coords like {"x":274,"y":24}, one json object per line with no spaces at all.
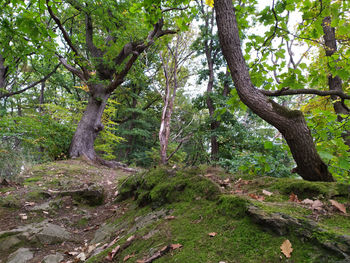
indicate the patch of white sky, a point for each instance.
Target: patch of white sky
{"x":193,"y":89}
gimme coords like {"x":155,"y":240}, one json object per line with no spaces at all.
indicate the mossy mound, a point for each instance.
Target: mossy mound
{"x":160,"y":186}
{"x":214,"y":223}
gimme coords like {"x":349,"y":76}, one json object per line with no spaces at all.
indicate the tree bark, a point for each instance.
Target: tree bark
{"x":335,"y":82}
{"x":290,"y":123}
{"x":90,"y":124}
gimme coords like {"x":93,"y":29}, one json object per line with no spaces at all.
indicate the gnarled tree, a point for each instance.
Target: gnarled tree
{"x":290,"y":123}
{"x":102,"y":58}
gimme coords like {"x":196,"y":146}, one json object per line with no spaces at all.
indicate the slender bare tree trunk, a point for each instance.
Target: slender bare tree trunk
{"x":290,"y":123}
{"x":170,"y":75}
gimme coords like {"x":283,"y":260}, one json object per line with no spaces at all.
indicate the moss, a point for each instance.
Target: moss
{"x":337,"y":223}
{"x":289,"y":208}
{"x":10,"y":201}
{"x":304,"y":189}
{"x":159,"y":186}
{"x":82,"y":222}
{"x":37,"y":195}
{"x":6,"y":189}
{"x":284,"y":111}
{"x":233,"y":206}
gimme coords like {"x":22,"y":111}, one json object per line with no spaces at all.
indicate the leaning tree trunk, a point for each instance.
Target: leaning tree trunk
{"x":291,"y":124}
{"x":90,"y":125}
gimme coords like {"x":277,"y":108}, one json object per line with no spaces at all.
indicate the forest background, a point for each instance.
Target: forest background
{"x":110,"y":81}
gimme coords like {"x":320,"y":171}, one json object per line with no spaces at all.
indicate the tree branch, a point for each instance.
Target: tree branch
{"x":287,"y":92}
{"x":31,"y":85}
{"x":72,"y":69}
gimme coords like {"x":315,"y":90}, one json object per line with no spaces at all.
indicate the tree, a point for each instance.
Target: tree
{"x":175,"y":76}
{"x":102,"y":55}
{"x":290,"y":123}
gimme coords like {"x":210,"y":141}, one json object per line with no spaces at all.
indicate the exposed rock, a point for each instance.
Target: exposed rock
{"x":9,"y":242}
{"x":282,"y":224}
{"x":56,"y":258}
{"x":21,"y":255}
{"x":44,"y":233}
{"x":92,"y":195}
{"x":142,"y":221}
{"x":106,"y":232}
{"x":43,"y":206}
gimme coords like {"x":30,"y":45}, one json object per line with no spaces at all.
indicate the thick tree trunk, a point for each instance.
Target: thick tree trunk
{"x":335,"y":82}
{"x":90,"y":125}
{"x":291,"y":124}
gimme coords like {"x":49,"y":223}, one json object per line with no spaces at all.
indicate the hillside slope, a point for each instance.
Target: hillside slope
{"x":71,"y":211}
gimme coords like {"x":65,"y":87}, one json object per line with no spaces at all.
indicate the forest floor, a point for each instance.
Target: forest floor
{"x":72,"y":211}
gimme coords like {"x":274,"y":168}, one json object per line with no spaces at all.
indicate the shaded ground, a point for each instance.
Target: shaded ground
{"x":167,"y":215}
{"x":42,"y":184}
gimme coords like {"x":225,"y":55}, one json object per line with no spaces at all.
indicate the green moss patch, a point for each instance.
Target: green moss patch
{"x":160,"y":186}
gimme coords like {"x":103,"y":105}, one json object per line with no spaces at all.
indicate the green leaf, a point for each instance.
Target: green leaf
{"x":268,"y":145}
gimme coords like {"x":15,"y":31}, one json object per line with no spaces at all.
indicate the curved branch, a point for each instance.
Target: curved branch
{"x":31,"y":85}
{"x":288,"y":92}
{"x":60,"y":26}
{"x":72,"y":69}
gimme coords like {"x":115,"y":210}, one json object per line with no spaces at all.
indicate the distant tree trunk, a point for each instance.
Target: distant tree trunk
{"x":3,"y":73}
{"x":214,"y":124}
{"x":90,"y":124}
{"x":41,"y":97}
{"x":170,"y":75}
{"x":335,"y":82}
{"x":290,"y":123}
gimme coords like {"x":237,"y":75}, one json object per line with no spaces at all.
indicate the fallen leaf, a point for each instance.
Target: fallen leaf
{"x":339,"y":206}
{"x":23,"y":216}
{"x":116,"y":193}
{"x":238,"y":191}
{"x":170,"y":217}
{"x":131,"y":238}
{"x":111,"y":254}
{"x":72,"y":253}
{"x":92,"y":247}
{"x":294,"y":198}
{"x":212,"y":234}
{"x":175,"y":246}
{"x":227,"y":180}
{"x":128,"y":257}
{"x":29,"y":204}
{"x":265,"y":192}
{"x":257,"y":197}
{"x":81,"y":256}
{"x":286,"y":248}
{"x":307,"y":201}
{"x":317,"y":205}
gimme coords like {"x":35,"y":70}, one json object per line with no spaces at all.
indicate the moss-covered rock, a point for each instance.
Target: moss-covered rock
{"x":160,"y":186}
{"x":233,"y":206}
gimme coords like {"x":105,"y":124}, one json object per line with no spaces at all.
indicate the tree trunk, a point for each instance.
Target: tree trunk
{"x":214,"y":124}
{"x":164,"y":133}
{"x":290,"y":123}
{"x":41,"y":98}
{"x":335,"y":82}
{"x":90,"y":124}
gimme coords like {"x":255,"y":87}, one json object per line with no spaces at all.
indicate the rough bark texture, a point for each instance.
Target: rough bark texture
{"x":335,"y":82}
{"x":291,"y":124}
{"x":90,"y":124}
